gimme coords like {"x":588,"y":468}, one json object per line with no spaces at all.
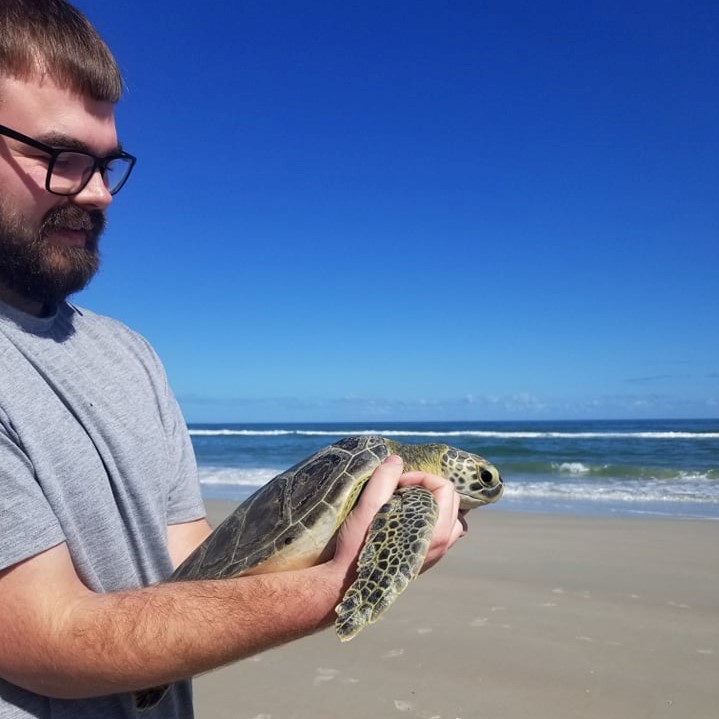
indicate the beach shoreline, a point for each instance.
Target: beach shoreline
{"x":531,"y":615}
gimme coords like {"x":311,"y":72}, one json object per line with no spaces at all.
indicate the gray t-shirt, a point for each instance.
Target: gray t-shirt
{"x":94,"y":452}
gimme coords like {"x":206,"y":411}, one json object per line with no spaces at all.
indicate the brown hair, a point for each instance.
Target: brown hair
{"x":52,"y":37}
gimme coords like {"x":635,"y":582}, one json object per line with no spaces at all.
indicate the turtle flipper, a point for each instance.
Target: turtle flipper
{"x":393,"y":554}
{"x":147,"y":699}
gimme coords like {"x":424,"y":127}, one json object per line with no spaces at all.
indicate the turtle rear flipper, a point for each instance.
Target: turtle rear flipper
{"x":393,"y":554}
{"x":147,"y":699}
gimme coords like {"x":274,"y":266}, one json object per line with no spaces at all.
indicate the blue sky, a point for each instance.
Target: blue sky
{"x":420,"y":210}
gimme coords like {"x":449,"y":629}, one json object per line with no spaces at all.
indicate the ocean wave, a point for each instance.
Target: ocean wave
{"x":231,"y":476}
{"x":550,"y":473}
{"x":480,"y":434}
{"x":578,"y":484}
{"x":647,"y":492}
{"x":572,"y":468}
{"x":613,"y":472}
{"x":240,"y":432}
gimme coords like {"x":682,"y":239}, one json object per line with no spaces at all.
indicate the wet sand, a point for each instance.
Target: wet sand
{"x":536,"y":616}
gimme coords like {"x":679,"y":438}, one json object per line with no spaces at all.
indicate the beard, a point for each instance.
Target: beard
{"x":35,"y":267}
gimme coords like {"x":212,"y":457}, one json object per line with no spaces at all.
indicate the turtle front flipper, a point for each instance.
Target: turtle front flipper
{"x":393,"y":554}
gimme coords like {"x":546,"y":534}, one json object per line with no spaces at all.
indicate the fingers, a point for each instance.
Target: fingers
{"x":386,"y":478}
{"x":382,"y":483}
{"x":450,"y":523}
{"x":377,"y":491}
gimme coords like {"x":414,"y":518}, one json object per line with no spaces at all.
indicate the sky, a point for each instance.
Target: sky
{"x":358,"y":211}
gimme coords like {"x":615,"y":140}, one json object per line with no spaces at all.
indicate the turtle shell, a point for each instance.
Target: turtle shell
{"x":291,"y":521}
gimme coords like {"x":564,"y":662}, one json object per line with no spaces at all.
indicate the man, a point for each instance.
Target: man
{"x":99,"y":496}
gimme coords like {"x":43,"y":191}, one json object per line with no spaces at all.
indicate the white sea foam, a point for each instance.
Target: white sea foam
{"x":240,"y":432}
{"x":231,"y":476}
{"x":691,"y":488}
{"x":483,"y":434}
{"x":572,"y":468}
{"x":631,"y":492}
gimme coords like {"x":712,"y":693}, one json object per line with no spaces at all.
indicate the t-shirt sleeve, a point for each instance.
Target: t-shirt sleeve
{"x":29,"y":525}
{"x":185,"y":501}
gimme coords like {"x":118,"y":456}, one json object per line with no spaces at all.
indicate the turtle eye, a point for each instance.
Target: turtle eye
{"x":486,"y":476}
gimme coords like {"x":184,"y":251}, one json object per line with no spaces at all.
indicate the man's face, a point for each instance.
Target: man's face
{"x":49,"y":243}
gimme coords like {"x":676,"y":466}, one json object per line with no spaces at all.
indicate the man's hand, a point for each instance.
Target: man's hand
{"x":386,"y":478}
{"x":450,"y":524}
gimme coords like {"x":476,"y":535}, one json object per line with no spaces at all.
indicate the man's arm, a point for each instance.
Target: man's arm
{"x":60,"y":639}
{"x":183,"y":538}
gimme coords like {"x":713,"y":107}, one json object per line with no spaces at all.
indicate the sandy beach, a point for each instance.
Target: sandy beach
{"x":536,"y":616}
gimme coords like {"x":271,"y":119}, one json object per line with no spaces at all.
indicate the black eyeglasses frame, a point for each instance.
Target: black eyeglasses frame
{"x":99,"y":163}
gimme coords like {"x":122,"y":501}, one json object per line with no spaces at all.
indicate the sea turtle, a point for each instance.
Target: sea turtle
{"x":292,"y":520}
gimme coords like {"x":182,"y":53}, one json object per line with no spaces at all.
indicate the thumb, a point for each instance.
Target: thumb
{"x":377,"y":491}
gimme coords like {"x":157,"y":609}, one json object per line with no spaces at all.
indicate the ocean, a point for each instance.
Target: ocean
{"x":649,"y":468}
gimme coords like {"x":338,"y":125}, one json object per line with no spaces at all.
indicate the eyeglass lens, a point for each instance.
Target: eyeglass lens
{"x":71,"y":171}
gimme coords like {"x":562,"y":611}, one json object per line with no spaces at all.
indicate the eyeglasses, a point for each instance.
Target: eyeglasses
{"x":69,"y":171}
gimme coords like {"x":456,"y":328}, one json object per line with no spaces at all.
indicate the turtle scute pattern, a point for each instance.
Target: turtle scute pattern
{"x":289,"y":506}
{"x":396,"y":545}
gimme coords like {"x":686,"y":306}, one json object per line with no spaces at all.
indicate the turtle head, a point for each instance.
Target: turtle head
{"x":476,"y":480}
